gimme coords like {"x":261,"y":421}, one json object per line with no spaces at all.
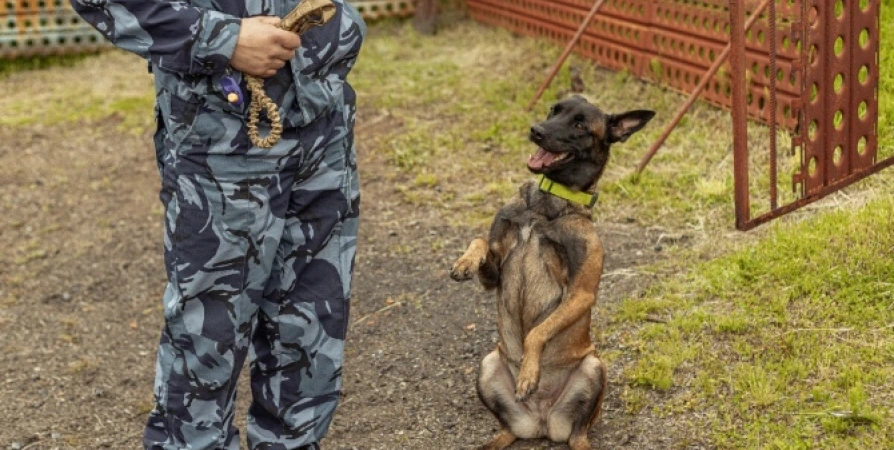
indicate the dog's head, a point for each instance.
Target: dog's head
{"x":575,"y":138}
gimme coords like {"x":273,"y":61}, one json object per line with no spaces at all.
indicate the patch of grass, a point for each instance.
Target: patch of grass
{"x":886,"y":82}
{"x":32,"y":63}
{"x":80,"y":89}
{"x":800,"y":350}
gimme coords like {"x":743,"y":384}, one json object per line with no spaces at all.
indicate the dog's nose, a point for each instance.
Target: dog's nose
{"x":536,"y":132}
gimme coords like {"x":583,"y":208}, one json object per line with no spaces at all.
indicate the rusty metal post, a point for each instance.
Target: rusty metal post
{"x":706,"y":79}
{"x":565,"y":53}
{"x":426,"y":15}
{"x":739,"y":112}
{"x":774,"y":126}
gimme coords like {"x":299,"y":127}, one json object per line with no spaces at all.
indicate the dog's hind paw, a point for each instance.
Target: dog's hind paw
{"x":465,"y":268}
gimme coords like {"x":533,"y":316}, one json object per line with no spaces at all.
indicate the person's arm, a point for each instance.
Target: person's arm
{"x":173,"y":35}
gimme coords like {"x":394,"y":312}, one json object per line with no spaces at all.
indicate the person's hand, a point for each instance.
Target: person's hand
{"x":263,"y":48}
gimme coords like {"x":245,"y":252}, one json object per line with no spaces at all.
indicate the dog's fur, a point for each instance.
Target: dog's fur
{"x":544,"y":259}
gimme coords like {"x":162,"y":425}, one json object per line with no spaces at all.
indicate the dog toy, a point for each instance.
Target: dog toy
{"x":308,"y":14}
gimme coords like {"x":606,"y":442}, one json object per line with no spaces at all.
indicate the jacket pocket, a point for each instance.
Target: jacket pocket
{"x":197,"y":115}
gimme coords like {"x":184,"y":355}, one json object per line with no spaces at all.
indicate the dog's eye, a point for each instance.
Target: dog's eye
{"x":580,"y":126}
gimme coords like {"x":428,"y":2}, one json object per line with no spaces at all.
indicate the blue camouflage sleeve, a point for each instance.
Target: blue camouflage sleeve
{"x":173,"y":35}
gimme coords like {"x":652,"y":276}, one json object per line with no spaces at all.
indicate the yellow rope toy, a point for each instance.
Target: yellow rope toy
{"x":308,"y":14}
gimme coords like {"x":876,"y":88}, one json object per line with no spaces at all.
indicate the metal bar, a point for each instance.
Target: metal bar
{"x":821,"y":193}
{"x":739,"y":112}
{"x":565,"y":53}
{"x":774,"y":196}
{"x":721,"y":59}
{"x":426,"y":16}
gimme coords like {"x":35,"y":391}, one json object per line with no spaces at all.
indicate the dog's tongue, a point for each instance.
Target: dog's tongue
{"x":541,"y":159}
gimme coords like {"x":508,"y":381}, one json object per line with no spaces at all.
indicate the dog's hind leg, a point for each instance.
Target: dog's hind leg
{"x":579,"y":404}
{"x":500,"y":441}
{"x":496,"y":390}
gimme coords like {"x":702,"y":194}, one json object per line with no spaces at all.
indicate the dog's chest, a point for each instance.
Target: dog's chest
{"x":531,"y":288}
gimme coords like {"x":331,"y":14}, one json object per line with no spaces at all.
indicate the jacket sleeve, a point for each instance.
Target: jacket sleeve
{"x":173,"y":35}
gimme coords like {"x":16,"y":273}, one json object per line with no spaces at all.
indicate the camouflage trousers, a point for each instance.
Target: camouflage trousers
{"x":259,"y":250}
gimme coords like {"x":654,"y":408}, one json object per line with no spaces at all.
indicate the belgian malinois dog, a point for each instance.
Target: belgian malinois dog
{"x":544,"y":260}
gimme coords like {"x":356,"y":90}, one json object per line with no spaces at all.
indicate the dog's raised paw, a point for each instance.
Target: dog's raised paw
{"x":528,"y":379}
{"x":465,"y":268}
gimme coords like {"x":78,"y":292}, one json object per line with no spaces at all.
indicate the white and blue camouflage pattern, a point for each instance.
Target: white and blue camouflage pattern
{"x":259,"y":243}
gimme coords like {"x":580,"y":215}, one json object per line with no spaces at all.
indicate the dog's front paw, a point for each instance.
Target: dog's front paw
{"x":528,"y":379}
{"x":465,"y":268}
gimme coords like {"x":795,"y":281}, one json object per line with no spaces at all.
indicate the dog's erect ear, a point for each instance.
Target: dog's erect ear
{"x":622,"y":126}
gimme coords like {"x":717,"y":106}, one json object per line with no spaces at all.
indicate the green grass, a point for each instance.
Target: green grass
{"x":784,"y":343}
{"x":113,"y":86}
{"x":787,"y":342}
{"x":886,"y":83}
{"x":17,"y":65}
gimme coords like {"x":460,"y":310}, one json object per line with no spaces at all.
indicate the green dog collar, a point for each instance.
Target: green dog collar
{"x":564,"y":192}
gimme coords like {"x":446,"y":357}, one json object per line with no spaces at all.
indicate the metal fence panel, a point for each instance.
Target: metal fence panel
{"x":673,"y":42}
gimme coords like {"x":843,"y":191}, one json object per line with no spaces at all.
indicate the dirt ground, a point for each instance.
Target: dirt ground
{"x":81,"y":280}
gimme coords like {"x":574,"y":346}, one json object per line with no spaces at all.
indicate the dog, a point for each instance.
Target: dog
{"x":544,"y":259}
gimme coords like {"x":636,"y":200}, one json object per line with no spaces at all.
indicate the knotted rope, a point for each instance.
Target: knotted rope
{"x":308,"y":14}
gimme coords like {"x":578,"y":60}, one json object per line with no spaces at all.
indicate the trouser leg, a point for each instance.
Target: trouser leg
{"x":208,"y":314}
{"x":222,"y":232}
{"x":298,"y":343}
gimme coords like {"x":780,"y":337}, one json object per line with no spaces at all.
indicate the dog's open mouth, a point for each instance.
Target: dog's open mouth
{"x":543,"y":159}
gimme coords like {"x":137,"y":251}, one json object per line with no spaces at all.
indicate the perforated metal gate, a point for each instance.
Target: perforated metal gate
{"x":837,"y":108}
{"x":51,"y":27}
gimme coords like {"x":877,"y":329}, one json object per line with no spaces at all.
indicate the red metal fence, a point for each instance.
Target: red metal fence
{"x":673,"y":42}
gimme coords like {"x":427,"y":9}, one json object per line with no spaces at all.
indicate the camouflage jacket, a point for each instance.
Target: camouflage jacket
{"x":189,"y":45}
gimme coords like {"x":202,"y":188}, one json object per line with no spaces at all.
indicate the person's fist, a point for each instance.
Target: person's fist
{"x":263,"y":48}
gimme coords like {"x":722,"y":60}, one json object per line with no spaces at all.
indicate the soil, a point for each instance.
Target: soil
{"x":80,"y":310}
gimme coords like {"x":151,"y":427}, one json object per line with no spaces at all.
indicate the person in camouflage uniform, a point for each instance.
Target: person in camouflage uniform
{"x":259,"y":243}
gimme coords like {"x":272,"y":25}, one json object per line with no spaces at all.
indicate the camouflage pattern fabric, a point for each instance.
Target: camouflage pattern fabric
{"x":259,"y":243}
